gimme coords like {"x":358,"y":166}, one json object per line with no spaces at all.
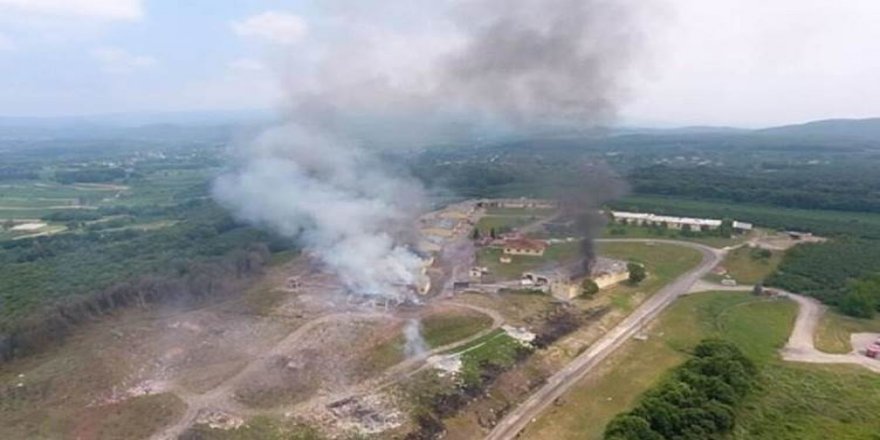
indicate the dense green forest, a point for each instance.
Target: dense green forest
{"x":53,"y":283}
{"x":831,"y":272}
{"x":856,"y":188}
{"x":698,"y":401}
{"x":152,"y":236}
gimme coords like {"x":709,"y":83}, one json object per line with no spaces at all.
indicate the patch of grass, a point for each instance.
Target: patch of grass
{"x":631,"y":231}
{"x":385,"y":355}
{"x":622,"y":301}
{"x":757,"y":326}
{"x":664,"y":262}
{"x":489,"y":257}
{"x":501,"y":351}
{"x":139,"y":417}
{"x":479,"y":341}
{"x":258,"y":428}
{"x":440,"y":329}
{"x":833,"y":333}
{"x":746,"y":266}
{"x":812,"y":402}
{"x":502,"y":223}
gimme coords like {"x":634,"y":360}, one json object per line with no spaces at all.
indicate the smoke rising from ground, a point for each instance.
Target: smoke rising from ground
{"x":415,"y":343}
{"x":337,"y":200}
{"x":521,"y":63}
{"x":595,"y":185}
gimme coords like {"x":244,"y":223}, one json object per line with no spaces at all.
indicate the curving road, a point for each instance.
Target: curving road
{"x":559,"y":383}
{"x":800,"y":346}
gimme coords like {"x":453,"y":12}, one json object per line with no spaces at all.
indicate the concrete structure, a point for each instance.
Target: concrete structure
{"x":678,"y":223}
{"x":607,"y":272}
{"x":565,"y":281}
{"x":524,"y":246}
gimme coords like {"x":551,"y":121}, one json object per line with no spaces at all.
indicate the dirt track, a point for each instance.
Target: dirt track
{"x":801,"y":348}
{"x":221,"y":396}
{"x":559,"y":383}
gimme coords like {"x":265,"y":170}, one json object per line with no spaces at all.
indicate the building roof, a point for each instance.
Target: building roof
{"x":667,"y":219}
{"x":742,"y":225}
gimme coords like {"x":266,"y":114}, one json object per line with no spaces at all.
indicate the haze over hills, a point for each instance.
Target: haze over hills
{"x":219,"y":126}
{"x":861,"y":129}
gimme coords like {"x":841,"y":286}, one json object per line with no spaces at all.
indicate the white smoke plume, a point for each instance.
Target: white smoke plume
{"x":336,"y":199}
{"x":415,"y":343}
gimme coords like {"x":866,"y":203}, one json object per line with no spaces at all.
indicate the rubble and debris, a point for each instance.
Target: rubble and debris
{"x":522,"y":335}
{"x":446,"y":364}
{"x":218,"y":419}
{"x":371,"y":414}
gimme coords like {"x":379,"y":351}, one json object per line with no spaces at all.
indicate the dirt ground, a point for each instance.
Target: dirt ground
{"x":274,"y":350}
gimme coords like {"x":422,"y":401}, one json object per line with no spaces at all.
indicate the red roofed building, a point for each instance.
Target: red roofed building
{"x":525,"y":246}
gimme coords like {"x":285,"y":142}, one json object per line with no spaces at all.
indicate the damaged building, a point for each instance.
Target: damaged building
{"x":565,"y":281}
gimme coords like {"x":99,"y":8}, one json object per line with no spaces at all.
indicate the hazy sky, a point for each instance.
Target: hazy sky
{"x":721,"y":62}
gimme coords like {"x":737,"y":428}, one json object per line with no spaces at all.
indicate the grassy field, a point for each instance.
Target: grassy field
{"x":502,"y":223}
{"x":794,"y":401}
{"x":262,"y":428}
{"x":623,"y":231}
{"x":639,"y":365}
{"x":663,"y":262}
{"x":833,"y":334}
{"x":746,"y":267}
{"x":489,"y":257}
{"x":440,"y":329}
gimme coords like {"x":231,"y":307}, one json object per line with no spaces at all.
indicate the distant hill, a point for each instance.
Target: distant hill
{"x":851,"y":129}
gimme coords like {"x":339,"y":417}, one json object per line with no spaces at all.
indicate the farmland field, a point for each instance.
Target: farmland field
{"x":795,"y":401}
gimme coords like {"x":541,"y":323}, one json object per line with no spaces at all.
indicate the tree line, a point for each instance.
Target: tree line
{"x":841,"y":273}
{"x":697,"y":402}
{"x":49,"y":284}
{"x":805,"y":187}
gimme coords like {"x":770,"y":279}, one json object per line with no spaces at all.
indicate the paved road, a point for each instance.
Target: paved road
{"x":800,"y":346}
{"x":559,"y":383}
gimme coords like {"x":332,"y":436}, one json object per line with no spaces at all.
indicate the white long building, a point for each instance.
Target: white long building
{"x":695,"y":224}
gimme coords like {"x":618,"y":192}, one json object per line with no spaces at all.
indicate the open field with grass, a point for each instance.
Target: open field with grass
{"x":793,"y":401}
{"x":502,"y":223}
{"x":833,"y":333}
{"x":746,"y":266}
{"x":440,"y":329}
{"x":664,"y":262}
{"x":636,"y":367}
{"x":257,"y":428}
{"x":557,"y":253}
{"x":631,"y":231}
